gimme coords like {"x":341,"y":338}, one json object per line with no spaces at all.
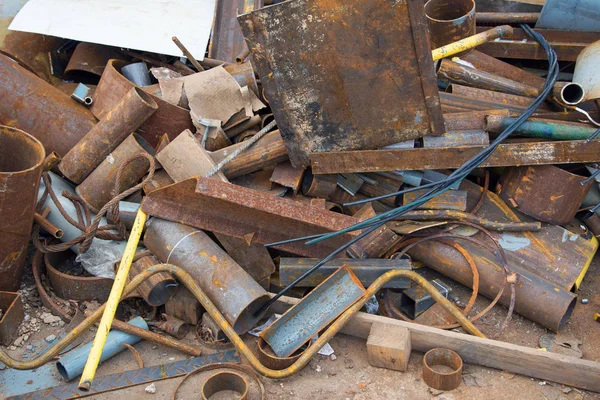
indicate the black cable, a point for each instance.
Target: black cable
{"x":459,"y":174}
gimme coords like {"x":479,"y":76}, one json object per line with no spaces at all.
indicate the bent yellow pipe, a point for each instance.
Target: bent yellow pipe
{"x":471,"y":42}
{"x":239,"y":344}
{"x":91,"y":365}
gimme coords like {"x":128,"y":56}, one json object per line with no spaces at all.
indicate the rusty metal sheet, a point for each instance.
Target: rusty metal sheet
{"x":40,"y":109}
{"x":286,"y":175}
{"x":450,"y":200}
{"x":21,"y":161}
{"x":339,"y":76}
{"x":88,"y":61}
{"x":13,"y":314}
{"x":314,"y":312}
{"x":227,"y":41}
{"x":247,"y":214}
{"x":168,"y":118}
{"x":30,"y":50}
{"x":548,"y":193}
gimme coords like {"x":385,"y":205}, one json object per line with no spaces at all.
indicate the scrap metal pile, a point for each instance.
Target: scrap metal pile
{"x":321,"y":160}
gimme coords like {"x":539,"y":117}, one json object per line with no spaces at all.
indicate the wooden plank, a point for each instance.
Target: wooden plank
{"x":388,"y":346}
{"x":509,"y":357}
{"x":511,"y":154}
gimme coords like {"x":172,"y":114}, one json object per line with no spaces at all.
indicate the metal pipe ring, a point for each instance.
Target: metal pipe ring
{"x":225,"y":381}
{"x":442,"y":380}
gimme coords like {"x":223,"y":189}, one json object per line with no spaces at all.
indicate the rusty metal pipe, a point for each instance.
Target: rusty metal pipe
{"x":542,"y":128}
{"x":191,"y":284}
{"x":229,"y":286}
{"x":51,"y":160}
{"x":449,"y":21}
{"x":536,"y":299}
{"x":452,"y":103}
{"x":490,"y":95}
{"x":21,"y":164}
{"x":458,"y":73}
{"x":35,"y":106}
{"x":470,"y":120}
{"x":490,"y":64}
{"x":507,"y":17}
{"x":48,"y":226}
{"x":98,"y":188}
{"x":156,"y":338}
{"x":133,"y":110}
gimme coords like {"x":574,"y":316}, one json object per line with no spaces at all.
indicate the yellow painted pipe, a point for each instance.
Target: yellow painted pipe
{"x":116,"y":292}
{"x":471,"y":42}
{"x":189,"y":282}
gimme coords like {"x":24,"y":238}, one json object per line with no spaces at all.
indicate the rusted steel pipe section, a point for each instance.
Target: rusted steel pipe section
{"x":269,"y":150}
{"x":21,"y":164}
{"x":458,"y":73}
{"x":245,"y":213}
{"x":490,"y":95}
{"x":542,"y":128}
{"x":470,"y":120}
{"x":452,"y":103}
{"x":98,"y":188}
{"x":159,"y":288}
{"x":88,"y":61}
{"x":40,"y":109}
{"x":483,"y":62}
{"x":127,"y":116}
{"x":545,"y":192}
{"x":113,"y":86}
{"x":237,"y":295}
{"x":536,"y":299}
{"x":507,"y":17}
{"x":449,"y":21}
{"x":47,"y":226}
{"x":569,"y":93}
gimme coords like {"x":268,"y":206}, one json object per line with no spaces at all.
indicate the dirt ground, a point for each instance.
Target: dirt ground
{"x":347,"y":374}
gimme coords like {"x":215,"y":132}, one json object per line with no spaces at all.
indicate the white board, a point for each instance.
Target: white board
{"x":145,"y":25}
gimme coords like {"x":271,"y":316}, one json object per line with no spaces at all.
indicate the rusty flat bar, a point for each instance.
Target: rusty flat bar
{"x":248,"y":214}
{"x":539,"y":153}
{"x":566,"y":44}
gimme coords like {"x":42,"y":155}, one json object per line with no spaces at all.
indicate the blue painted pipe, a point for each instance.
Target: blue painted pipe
{"x":71,"y":365}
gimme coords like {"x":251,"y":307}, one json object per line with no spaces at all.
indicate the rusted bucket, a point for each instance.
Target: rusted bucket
{"x":21,"y":159}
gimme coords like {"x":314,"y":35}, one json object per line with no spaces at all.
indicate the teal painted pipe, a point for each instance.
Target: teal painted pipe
{"x":71,"y":365}
{"x":541,"y":128}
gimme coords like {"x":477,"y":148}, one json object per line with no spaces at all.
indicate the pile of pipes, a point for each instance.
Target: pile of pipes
{"x":353,"y":168}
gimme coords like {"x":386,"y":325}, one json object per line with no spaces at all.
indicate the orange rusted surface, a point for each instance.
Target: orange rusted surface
{"x":450,"y":21}
{"x":21,"y":163}
{"x":40,"y":109}
{"x":339,"y":76}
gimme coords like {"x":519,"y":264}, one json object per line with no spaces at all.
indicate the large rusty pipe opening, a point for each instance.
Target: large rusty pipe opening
{"x":450,"y":21}
{"x":21,"y":160}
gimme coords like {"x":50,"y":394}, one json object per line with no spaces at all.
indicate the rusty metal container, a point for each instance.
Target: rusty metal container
{"x":233,"y":291}
{"x":40,"y":109}
{"x":545,"y":192}
{"x":21,"y":163}
{"x":97,"y":189}
{"x":127,"y":116}
{"x":450,"y":21}
{"x":168,"y":118}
